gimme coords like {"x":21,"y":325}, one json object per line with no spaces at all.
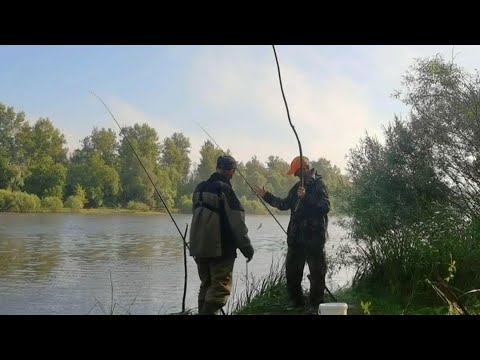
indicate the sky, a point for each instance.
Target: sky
{"x":335,"y":94}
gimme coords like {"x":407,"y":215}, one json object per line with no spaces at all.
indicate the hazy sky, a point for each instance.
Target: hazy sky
{"x":335,"y":93}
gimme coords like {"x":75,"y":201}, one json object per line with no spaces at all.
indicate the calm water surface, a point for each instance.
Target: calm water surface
{"x":62,"y":263}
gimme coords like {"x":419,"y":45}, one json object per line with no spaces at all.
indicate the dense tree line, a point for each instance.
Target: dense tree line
{"x":104,"y":172}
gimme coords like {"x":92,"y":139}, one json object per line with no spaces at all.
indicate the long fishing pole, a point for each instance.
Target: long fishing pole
{"x":183,"y":236}
{"x":296,"y":135}
{"x":290,"y":121}
{"x":243,"y":177}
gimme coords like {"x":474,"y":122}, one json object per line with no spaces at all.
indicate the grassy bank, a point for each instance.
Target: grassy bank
{"x":268,"y":296}
{"x":274,"y":302}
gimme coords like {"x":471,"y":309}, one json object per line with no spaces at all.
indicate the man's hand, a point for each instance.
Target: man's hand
{"x":259,"y":191}
{"x":248,"y":252}
{"x":301,"y":192}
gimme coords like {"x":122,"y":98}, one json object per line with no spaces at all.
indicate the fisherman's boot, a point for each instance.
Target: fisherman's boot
{"x":200,"y":306}
{"x":209,"y":309}
{"x":316,"y":296}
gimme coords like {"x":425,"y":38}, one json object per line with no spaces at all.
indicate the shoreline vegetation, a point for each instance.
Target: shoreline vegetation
{"x":267,"y":296}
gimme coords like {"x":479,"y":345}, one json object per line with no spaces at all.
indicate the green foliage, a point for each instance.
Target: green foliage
{"x":33,"y":159}
{"x":55,"y":191}
{"x":74,"y":202}
{"x":101,"y":181}
{"x":53,"y":203}
{"x":18,"y":201}
{"x":81,"y":194}
{"x":366,"y":307}
{"x":7,"y":201}
{"x":43,"y":141}
{"x":10,"y":125}
{"x":413,"y":201}
{"x":208,"y":161}
{"x":184,"y":204}
{"x":11,"y":176}
{"x":137,"y":206}
{"x":444,"y":105}
{"x":175,"y":153}
{"x":135,"y":182}
{"x":394,"y":185}
{"x":46,"y":178}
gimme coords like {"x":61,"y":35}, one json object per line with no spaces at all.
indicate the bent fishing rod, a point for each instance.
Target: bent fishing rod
{"x":296,"y":135}
{"x":243,"y":177}
{"x":183,"y":236}
{"x":290,"y":121}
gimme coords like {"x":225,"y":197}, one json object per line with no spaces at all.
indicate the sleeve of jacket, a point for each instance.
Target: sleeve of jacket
{"x":235,"y":215}
{"x":319,"y":199}
{"x":281,"y":204}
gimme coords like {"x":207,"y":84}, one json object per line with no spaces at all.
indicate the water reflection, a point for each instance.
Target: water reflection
{"x":61,"y":263}
{"x":36,"y":256}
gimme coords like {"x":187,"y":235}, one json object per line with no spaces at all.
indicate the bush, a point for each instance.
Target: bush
{"x":81,"y":194}
{"x":6,"y":200}
{"x":137,"y":206}
{"x":401,"y":260}
{"x":56,"y":191}
{"x":53,"y":203}
{"x":18,"y":201}
{"x":74,"y":203}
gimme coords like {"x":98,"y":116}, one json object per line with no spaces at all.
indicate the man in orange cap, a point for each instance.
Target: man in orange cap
{"x":306,"y":232}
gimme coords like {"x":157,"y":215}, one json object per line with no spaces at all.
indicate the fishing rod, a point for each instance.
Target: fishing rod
{"x":290,"y":121}
{"x":183,"y":236}
{"x":243,"y":177}
{"x":296,"y":135}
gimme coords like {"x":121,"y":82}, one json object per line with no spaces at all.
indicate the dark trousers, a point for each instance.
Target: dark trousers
{"x":216,"y":283}
{"x":314,"y":256}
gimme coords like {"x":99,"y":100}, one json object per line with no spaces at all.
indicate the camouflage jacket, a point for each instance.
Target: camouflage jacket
{"x":307,"y":224}
{"x":218,"y":225}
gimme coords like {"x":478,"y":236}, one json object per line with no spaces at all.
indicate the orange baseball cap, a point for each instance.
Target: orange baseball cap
{"x":295,"y":165}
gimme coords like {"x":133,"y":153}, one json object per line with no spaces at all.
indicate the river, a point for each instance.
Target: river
{"x":67,"y":263}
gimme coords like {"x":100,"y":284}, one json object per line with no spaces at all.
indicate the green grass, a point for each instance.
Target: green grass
{"x":274,"y":302}
{"x":268,"y":296}
{"x":380,"y":303}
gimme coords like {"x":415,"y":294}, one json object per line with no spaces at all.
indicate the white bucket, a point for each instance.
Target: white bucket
{"x":333,"y":309}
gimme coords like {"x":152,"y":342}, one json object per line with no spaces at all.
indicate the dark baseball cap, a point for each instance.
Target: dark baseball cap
{"x":226,"y":163}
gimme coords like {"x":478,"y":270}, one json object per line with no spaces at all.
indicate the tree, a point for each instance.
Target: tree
{"x":10,"y":125}
{"x":46,"y":178}
{"x":102,"y":142}
{"x":43,"y":141}
{"x":175,"y":153}
{"x":135,"y":183}
{"x":208,"y":160}
{"x":13,"y":170}
{"x":446,"y":120}
{"x":100,"y":181}
{"x":277,"y":165}
{"x":393,"y":185}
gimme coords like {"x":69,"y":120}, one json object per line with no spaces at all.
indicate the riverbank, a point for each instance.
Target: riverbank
{"x":268,"y":296}
{"x":274,"y":302}
{"x":109,"y":211}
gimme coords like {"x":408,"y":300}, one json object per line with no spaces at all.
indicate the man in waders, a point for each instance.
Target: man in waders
{"x":218,"y":229}
{"x":306,"y":233}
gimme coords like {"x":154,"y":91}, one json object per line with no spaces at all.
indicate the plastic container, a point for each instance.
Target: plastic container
{"x":332,"y":309}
